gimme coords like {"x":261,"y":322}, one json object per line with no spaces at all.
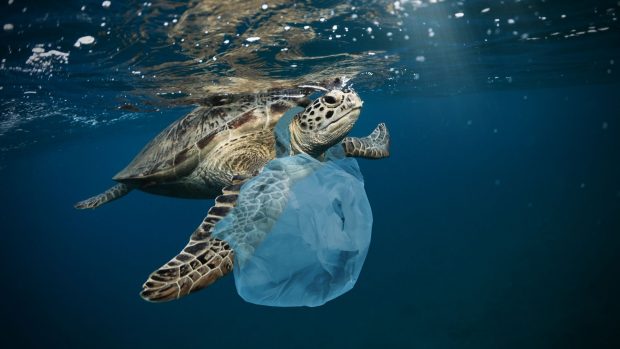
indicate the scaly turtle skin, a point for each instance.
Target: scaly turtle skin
{"x":214,"y":150}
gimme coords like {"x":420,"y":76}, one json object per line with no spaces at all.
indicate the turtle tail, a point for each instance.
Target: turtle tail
{"x":113,"y":193}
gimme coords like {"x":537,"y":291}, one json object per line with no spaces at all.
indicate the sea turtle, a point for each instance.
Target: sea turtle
{"x":214,"y":149}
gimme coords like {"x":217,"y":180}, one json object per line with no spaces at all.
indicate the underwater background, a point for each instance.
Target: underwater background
{"x":496,"y":218}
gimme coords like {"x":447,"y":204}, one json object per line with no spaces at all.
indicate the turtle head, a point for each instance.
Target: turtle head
{"x":325,"y":122}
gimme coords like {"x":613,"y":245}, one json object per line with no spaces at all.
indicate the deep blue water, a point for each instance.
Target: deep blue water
{"x":496,"y":218}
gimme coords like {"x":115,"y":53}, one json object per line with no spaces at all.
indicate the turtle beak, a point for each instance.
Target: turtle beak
{"x":353,"y":101}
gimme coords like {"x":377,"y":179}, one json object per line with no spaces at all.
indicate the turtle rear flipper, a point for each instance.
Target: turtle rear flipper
{"x":113,"y":193}
{"x":204,"y":259}
{"x":374,"y":146}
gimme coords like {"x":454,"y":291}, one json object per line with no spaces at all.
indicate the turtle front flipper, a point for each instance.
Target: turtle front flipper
{"x":204,"y":259}
{"x":113,"y":193}
{"x":374,"y":146}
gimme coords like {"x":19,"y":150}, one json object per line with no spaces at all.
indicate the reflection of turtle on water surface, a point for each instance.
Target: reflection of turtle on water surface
{"x":213,"y":150}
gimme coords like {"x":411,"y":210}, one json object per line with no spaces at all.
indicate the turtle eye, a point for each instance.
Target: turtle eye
{"x":329,"y":99}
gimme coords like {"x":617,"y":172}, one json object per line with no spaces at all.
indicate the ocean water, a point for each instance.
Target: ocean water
{"x":496,"y":218}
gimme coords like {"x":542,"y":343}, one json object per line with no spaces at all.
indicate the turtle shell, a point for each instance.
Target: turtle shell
{"x":174,"y":153}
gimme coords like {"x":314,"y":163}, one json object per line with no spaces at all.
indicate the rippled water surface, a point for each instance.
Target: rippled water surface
{"x":152,"y":55}
{"x":495,"y":219}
